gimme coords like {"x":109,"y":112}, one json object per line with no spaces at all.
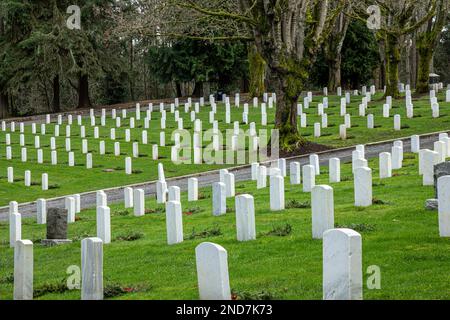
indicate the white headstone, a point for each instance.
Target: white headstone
{"x":229,"y":185}
{"x":322,"y":207}
{"x":277,"y":193}
{"x":443,"y":189}
{"x":161,"y":191}
{"x":245,"y":217}
{"x":363,"y":187}
{"x":212,"y":272}
{"x":219,"y":198}
{"x":335,"y":170}
{"x":261,"y":181}
{"x":192,"y":189}
{"x":23,"y":270}
{"x":15,"y":226}
{"x":139,"y":202}
{"x":309,"y":178}
{"x":430,"y":159}
{"x":342,"y":265}
{"x":104,"y":224}
{"x":294,"y":170}
{"x":92,"y":269}
{"x":174,"y":193}
{"x":174,"y":222}
{"x":385,"y":165}
{"x":128,"y":197}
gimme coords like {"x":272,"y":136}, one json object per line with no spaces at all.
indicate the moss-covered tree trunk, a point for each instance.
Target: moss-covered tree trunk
{"x":423,"y":71}
{"x":392,"y":65}
{"x":257,"y":70}
{"x":287,"y":80}
{"x":426,"y":43}
{"x":334,"y":73}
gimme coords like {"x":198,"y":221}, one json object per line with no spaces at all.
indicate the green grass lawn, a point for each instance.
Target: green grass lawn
{"x":65,"y":180}
{"x":398,"y":235}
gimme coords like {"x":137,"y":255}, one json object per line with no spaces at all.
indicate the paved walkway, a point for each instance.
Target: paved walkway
{"x":205,"y":179}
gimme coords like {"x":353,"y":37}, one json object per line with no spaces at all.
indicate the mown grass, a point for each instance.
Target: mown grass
{"x":284,"y":262}
{"x":65,"y":180}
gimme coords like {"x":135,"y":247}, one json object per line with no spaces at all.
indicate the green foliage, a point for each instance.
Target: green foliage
{"x":199,"y":61}
{"x":360,"y":57}
{"x":359,"y":54}
{"x":442,"y":54}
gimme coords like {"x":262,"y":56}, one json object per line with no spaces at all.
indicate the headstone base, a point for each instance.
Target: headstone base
{"x":54,"y":242}
{"x":431,"y":204}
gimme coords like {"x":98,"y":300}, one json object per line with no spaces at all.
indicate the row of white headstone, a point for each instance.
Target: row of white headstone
{"x":362,"y":111}
{"x":27,"y":178}
{"x":342,"y":267}
{"x":102,"y":148}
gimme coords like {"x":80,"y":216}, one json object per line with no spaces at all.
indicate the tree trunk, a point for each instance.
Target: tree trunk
{"x":178,"y":88}
{"x":84,"y":100}
{"x":257,"y":70}
{"x":131,"y":76}
{"x":423,"y":72}
{"x":4,"y":112}
{"x":287,"y":86}
{"x":56,"y":94}
{"x":4,"y":105}
{"x":392,"y":64}
{"x":414,"y":61}
{"x":198,"y":89}
{"x":334,"y":73}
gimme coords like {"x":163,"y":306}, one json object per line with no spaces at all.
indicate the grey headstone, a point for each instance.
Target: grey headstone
{"x":56,"y":223}
{"x":440,"y":169}
{"x":431,"y":204}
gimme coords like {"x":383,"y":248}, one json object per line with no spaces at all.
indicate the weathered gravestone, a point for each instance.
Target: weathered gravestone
{"x":440,"y":170}
{"x":56,"y":227}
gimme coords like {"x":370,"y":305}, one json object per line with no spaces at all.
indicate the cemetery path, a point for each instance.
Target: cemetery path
{"x":205,"y":179}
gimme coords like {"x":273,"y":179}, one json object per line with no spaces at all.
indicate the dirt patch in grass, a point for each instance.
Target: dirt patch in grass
{"x":380,"y":202}
{"x":279,"y":231}
{"x":247,"y":295}
{"x":112,"y":290}
{"x":129,"y":236}
{"x":359,"y":227}
{"x":156,"y":210}
{"x":121,"y":213}
{"x":48,"y":287}
{"x":291,"y":204}
{"x":193,"y":210}
{"x":214,"y":231}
